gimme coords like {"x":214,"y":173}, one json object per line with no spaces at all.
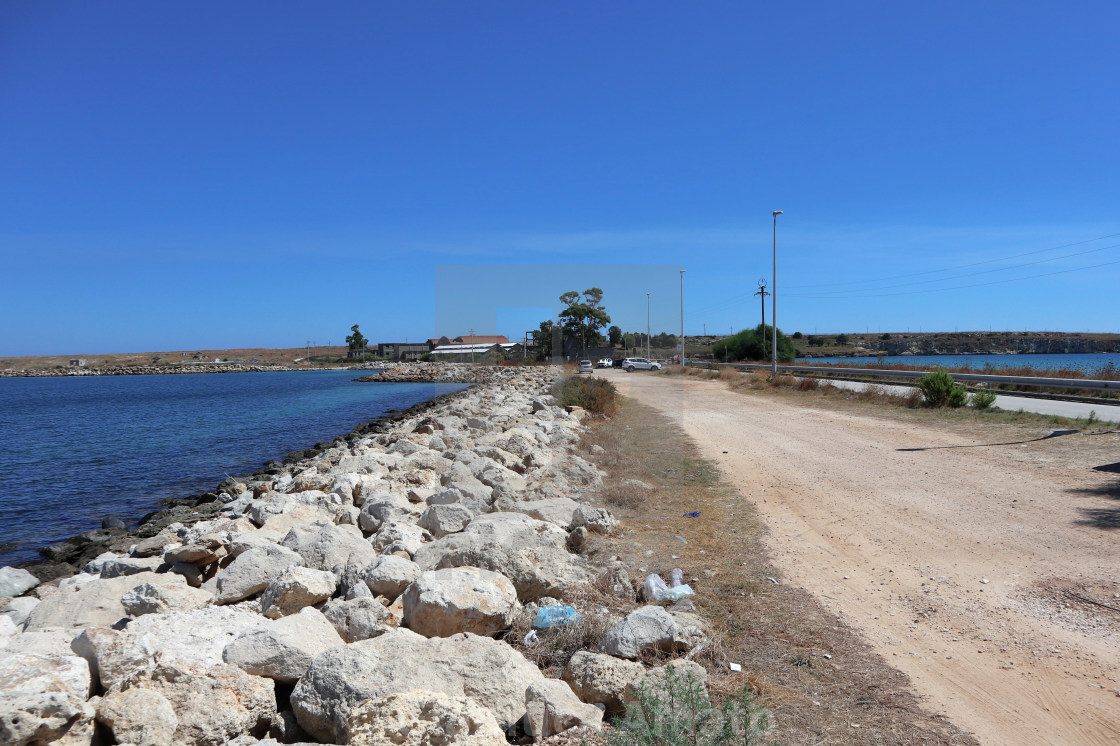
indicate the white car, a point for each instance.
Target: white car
{"x":585,"y":367}
{"x":632,"y":364}
{"x":604,"y":363}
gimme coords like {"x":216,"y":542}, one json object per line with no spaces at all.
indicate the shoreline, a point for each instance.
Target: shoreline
{"x":66,"y":558}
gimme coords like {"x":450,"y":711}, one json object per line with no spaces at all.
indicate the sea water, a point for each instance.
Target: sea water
{"x":74,"y":449}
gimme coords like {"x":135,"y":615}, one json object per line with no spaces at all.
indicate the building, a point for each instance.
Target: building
{"x":478,"y":353}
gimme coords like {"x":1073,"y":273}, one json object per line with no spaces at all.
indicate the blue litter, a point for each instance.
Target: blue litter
{"x":556,"y":616}
{"x":693,"y":514}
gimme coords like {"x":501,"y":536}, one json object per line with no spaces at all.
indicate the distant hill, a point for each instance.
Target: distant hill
{"x":957,"y":343}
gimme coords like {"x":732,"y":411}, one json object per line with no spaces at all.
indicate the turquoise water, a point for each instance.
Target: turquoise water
{"x":1088,"y":363}
{"x":75,"y":449}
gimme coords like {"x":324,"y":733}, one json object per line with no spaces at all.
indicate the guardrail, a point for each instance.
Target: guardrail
{"x":1056,"y":383}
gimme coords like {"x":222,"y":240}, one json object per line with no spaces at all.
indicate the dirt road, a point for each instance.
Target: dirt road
{"x":962,"y":563}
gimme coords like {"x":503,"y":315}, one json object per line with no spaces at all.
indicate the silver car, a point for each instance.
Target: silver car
{"x":632,"y":364}
{"x":585,"y":367}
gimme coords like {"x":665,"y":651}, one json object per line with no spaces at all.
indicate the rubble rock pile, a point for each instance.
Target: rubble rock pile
{"x":360,"y":596}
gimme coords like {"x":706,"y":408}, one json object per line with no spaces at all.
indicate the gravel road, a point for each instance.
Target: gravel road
{"x":960,"y":560}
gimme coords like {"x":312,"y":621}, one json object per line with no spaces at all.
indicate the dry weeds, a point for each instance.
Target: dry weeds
{"x":818,"y":677}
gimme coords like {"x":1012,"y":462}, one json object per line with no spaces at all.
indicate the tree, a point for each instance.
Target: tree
{"x":755,"y":344}
{"x":356,"y":340}
{"x":841,"y":339}
{"x":797,"y":335}
{"x":584,"y":315}
{"x":542,"y":340}
{"x":615,"y":334}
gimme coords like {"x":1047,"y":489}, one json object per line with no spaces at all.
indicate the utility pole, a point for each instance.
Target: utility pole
{"x":762,"y":297}
{"x":647,"y":326}
{"x":774,"y":300}
{"x":307,"y":351}
{"x":682,"y":316}
{"x":472,"y":345}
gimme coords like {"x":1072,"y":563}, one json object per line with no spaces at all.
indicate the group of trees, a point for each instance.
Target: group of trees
{"x":581,"y":321}
{"x":755,"y":344}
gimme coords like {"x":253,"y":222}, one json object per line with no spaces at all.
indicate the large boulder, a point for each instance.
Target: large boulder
{"x":552,"y":708}
{"x":325,"y":546}
{"x":212,"y":704}
{"x":381,"y":507}
{"x":390,"y":575}
{"x":599,"y":520}
{"x":252,"y":571}
{"x":15,"y":581}
{"x":400,"y":660}
{"x":193,"y":639}
{"x":43,"y":698}
{"x":441,"y":520}
{"x":19,"y":609}
{"x":96,"y":603}
{"x":532,"y":554}
{"x":556,"y":510}
{"x":399,"y":536}
{"x":602,"y":679}
{"x":459,"y":599}
{"x":283,"y":650}
{"x":358,"y":618}
{"x":159,"y":599}
{"x":296,"y":588}
{"x":138,"y":716}
{"x":648,"y":629}
{"x":419,"y":718}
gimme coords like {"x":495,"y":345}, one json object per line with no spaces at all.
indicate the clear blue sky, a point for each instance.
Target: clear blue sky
{"x":208,"y":175}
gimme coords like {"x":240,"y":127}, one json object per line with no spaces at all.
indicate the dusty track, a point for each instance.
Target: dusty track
{"x":947,"y":558}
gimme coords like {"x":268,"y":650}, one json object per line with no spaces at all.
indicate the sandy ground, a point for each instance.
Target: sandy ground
{"x":955,"y":558}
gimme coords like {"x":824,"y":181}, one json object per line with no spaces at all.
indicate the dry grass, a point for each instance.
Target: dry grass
{"x":778,"y":633}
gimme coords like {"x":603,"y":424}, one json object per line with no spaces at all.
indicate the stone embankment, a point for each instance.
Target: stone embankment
{"x":140,"y":370}
{"x":429,"y":373}
{"x":362,"y":595}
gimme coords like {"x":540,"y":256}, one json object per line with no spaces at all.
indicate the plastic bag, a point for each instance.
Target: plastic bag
{"x":556,"y":616}
{"x":653,"y":588}
{"x":531,"y":638}
{"x":676,"y":593}
{"x":676,"y":577}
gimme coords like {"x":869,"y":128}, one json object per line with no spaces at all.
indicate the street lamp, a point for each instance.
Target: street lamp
{"x":647,"y":326}
{"x":774,"y":300}
{"x":682,"y":316}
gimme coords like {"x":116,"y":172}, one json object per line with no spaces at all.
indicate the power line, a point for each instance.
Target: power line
{"x":959,"y":287}
{"x":988,"y":271}
{"x":961,"y":266}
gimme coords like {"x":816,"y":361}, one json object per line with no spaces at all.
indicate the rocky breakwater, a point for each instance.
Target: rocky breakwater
{"x":140,"y":370}
{"x":432,"y":373}
{"x":363,"y":596}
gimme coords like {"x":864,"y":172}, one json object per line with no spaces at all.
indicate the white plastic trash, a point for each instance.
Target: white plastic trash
{"x":676,"y":577}
{"x":653,"y":588}
{"x":676,"y":593}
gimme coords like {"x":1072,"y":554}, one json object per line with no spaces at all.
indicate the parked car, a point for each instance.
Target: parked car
{"x":604,"y":363}
{"x":585,"y":367}
{"x":632,"y":364}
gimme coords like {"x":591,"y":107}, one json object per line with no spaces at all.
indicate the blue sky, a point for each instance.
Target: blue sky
{"x":261,"y":174}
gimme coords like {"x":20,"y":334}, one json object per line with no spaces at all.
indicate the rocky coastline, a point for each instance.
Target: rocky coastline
{"x":363,"y":591}
{"x":142,"y":370}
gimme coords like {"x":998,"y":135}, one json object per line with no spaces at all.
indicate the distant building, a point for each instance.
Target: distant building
{"x":479,"y":353}
{"x":78,"y":362}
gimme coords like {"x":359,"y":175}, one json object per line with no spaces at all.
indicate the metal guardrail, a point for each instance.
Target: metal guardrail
{"x":1057,"y":383}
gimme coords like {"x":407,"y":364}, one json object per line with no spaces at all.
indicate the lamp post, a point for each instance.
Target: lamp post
{"x":774,"y":301}
{"x":647,"y":326}
{"x":682,"y":316}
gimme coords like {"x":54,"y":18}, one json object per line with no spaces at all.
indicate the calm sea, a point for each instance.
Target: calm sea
{"x":1088,"y":363}
{"x":73,"y":450}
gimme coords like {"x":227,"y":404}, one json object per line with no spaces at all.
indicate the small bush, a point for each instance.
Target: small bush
{"x":730,"y":374}
{"x":983,"y":399}
{"x":676,"y":711}
{"x":596,"y":395}
{"x":940,"y":390}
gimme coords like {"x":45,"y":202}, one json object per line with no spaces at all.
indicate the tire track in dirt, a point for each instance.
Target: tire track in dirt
{"x":928,"y":552}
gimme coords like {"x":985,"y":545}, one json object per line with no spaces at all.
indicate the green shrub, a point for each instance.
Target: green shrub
{"x":940,"y":390}
{"x":983,"y":399}
{"x":596,"y":395}
{"x":676,"y":711}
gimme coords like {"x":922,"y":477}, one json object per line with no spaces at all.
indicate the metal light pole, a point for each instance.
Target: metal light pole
{"x":647,"y":326}
{"x":774,"y":300}
{"x":682,"y":316}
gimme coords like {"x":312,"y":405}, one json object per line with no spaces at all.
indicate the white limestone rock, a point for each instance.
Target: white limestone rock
{"x":159,"y":599}
{"x":96,"y":603}
{"x":284,"y":649}
{"x":390,"y":575}
{"x":138,"y":716}
{"x":325,"y":546}
{"x":15,"y":582}
{"x":552,"y":708}
{"x":252,"y":571}
{"x":422,"y":718}
{"x":649,"y":628}
{"x":602,"y":679}
{"x":442,"y":603}
{"x":358,"y":618}
{"x":296,"y":588}
{"x":400,"y":660}
{"x":441,"y":520}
